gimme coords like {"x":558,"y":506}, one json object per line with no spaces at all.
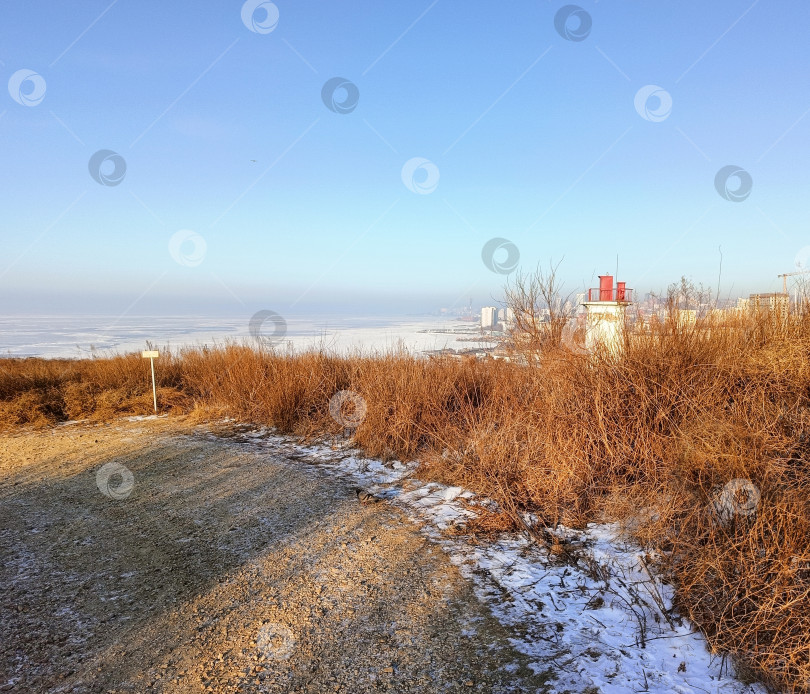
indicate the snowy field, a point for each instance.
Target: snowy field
{"x":83,"y":336}
{"x":602,"y":620}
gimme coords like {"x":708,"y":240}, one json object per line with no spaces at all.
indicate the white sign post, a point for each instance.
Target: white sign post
{"x":152,"y":354}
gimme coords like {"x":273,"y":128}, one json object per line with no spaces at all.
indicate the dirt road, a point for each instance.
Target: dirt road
{"x":142,"y":556}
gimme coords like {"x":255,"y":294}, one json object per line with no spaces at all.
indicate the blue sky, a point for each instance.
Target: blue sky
{"x":535,"y":138}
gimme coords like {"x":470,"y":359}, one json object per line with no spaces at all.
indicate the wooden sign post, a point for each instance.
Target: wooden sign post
{"x":152,"y":354}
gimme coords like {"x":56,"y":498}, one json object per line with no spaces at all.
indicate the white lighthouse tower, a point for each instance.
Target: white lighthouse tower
{"x":607,"y":308}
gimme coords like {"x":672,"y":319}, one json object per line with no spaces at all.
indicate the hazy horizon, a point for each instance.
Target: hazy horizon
{"x":225,"y":158}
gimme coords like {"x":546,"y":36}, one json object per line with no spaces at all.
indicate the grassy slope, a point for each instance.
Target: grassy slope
{"x":653,"y":436}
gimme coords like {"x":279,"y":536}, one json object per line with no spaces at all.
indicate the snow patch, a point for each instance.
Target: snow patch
{"x":598,"y":617}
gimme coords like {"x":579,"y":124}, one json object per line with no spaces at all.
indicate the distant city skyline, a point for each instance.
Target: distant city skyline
{"x":222,"y":158}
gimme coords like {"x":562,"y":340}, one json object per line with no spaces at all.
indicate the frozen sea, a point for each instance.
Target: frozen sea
{"x":83,"y":336}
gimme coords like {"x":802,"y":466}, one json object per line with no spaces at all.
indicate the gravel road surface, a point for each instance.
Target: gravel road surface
{"x":143,"y":556}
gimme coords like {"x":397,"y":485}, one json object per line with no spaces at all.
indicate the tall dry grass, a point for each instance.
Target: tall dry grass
{"x":651,"y":437}
{"x":40,"y":392}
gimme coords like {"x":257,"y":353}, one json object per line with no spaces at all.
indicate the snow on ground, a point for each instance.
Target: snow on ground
{"x":601,"y":620}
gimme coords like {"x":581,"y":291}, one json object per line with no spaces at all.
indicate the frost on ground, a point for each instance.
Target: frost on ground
{"x":601,"y":618}
{"x":224,"y":569}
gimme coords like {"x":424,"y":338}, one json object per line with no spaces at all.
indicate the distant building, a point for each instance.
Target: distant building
{"x":489,"y":317}
{"x":506,"y":315}
{"x":774,"y":303}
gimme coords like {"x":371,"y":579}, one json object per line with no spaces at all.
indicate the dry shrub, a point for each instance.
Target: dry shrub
{"x":418,"y":405}
{"x":288,"y":391}
{"x":31,"y":408}
{"x":44,"y":391}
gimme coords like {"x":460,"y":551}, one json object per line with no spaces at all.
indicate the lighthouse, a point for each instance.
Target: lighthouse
{"x":606,"y":308}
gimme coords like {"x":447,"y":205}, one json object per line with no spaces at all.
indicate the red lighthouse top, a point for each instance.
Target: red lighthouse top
{"x":607,"y":292}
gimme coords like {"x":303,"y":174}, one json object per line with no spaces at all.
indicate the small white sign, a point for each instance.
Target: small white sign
{"x":151,"y":355}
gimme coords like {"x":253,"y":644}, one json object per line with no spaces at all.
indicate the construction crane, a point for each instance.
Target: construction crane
{"x":785,"y":275}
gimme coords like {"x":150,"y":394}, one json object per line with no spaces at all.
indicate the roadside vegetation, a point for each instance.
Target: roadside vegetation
{"x":697,"y":437}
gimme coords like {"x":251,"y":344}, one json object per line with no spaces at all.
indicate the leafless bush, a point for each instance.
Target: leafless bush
{"x":541,"y":312}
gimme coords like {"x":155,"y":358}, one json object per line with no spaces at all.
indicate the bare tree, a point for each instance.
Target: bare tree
{"x":541,"y":312}
{"x":688,"y":295}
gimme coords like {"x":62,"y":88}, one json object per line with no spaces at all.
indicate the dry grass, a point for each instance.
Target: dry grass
{"x":41,"y":392}
{"x":650,"y":438}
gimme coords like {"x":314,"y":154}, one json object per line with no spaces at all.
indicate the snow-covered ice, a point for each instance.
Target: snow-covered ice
{"x":601,"y":620}
{"x":87,"y":336}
